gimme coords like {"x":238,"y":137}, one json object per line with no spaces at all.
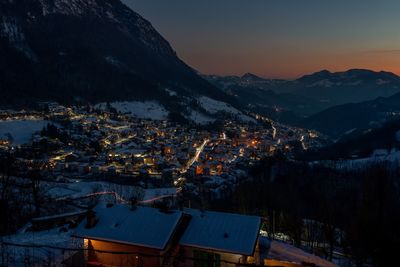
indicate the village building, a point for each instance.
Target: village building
{"x":118,"y":235}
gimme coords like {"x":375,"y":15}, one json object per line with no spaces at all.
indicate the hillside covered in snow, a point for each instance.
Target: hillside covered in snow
{"x":91,"y":52}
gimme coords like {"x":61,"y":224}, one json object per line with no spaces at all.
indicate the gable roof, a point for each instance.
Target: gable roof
{"x":144,"y":226}
{"x":148,"y":227}
{"x":225,"y":232}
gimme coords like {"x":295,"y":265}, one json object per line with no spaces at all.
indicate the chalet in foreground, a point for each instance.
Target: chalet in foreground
{"x":121,"y":236}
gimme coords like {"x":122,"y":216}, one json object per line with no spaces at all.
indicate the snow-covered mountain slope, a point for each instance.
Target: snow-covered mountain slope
{"x":90,"y":51}
{"x":207,"y":112}
{"x":214,"y":106}
{"x":143,"y":110}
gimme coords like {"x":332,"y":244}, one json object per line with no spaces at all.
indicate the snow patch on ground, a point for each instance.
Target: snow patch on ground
{"x":143,"y":110}
{"x":378,"y":156}
{"x":381,"y":155}
{"x":170,"y":92}
{"x":113,"y":61}
{"x":285,"y":252}
{"x":350,"y":131}
{"x":21,"y":130}
{"x":54,"y":238}
{"x":157,"y":192}
{"x":73,"y":190}
{"x":79,"y":189}
{"x":214,"y":106}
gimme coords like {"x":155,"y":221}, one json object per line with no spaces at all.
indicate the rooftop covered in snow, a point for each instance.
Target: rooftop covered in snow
{"x":147,"y":227}
{"x":225,"y":232}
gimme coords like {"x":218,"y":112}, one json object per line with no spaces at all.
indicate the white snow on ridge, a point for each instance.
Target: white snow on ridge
{"x":350,"y":131}
{"x":68,"y":7}
{"x":323,"y":83}
{"x":143,"y":110}
{"x":10,"y":29}
{"x":170,"y":92}
{"x":214,"y":106}
{"x":381,"y":82}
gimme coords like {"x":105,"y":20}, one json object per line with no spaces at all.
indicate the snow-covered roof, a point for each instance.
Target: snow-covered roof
{"x":226,"y":232}
{"x":147,"y":227}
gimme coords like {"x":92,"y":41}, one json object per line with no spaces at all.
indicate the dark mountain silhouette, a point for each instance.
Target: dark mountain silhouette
{"x":360,"y":143}
{"x":98,"y":50}
{"x":355,"y":85}
{"x":342,"y":119}
{"x":289,"y":101}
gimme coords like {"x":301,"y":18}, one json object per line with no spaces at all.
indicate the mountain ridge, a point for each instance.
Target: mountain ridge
{"x":97,"y":50}
{"x":339,"y":120}
{"x":309,"y":94}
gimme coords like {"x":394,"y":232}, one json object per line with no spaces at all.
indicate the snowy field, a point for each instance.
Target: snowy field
{"x":285,"y":252}
{"x":155,"y":111}
{"x":21,"y":130}
{"x":150,"y":194}
{"x":142,"y":110}
{"x":80,"y":189}
{"x":378,"y":156}
{"x":214,"y":106}
{"x":18,"y":255}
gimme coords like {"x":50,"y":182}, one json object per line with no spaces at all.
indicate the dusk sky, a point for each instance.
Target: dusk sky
{"x":279,"y":38}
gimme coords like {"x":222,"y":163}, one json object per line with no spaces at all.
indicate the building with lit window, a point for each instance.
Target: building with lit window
{"x":117,"y":235}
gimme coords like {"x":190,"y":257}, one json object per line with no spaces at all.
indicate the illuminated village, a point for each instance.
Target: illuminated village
{"x":76,"y":144}
{"x":84,"y":155}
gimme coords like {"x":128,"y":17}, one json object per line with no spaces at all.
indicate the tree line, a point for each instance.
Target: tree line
{"x":352,"y":211}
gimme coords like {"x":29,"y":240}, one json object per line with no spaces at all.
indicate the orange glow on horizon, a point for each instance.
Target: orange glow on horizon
{"x":293,"y":66}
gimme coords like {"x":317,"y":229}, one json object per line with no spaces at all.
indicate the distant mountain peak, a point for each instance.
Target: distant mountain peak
{"x":251,"y":76}
{"x":352,"y":77}
{"x":316,"y":75}
{"x":322,"y":72}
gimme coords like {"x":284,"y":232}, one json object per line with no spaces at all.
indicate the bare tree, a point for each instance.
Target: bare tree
{"x":7,"y":162}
